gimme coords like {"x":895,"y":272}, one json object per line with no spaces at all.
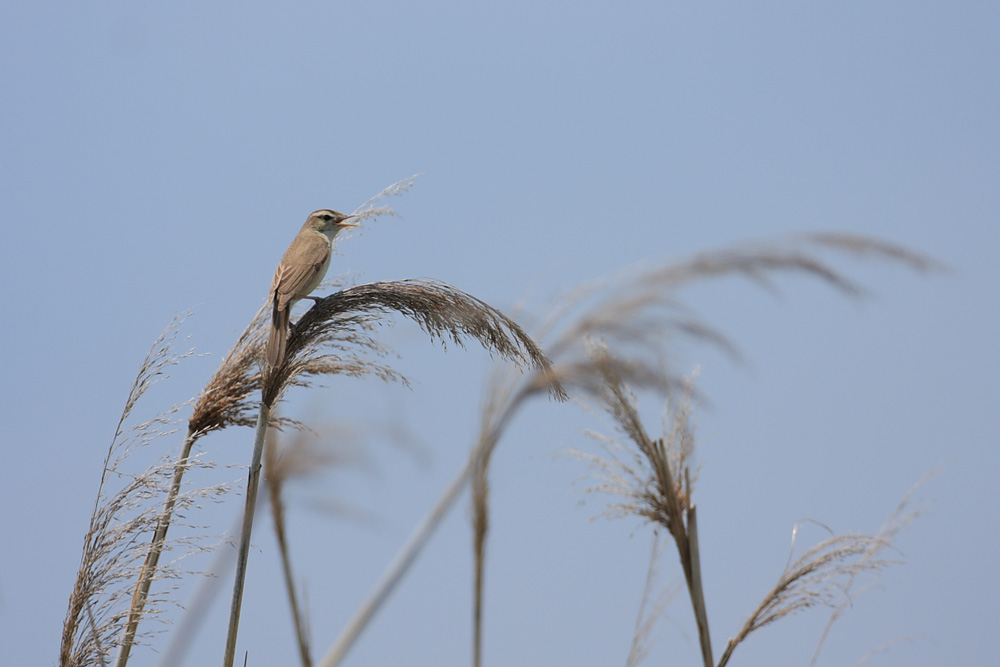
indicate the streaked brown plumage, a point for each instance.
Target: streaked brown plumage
{"x":299,"y":272}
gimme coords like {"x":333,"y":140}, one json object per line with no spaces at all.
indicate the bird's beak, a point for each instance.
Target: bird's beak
{"x":345,"y":223}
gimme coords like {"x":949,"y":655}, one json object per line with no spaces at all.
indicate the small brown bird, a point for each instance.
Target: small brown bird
{"x":299,"y":272}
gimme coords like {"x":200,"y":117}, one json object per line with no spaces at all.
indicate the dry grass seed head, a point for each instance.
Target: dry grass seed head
{"x":637,"y":311}
{"x":227,"y":399}
{"x":826,"y":573}
{"x":443,"y":312}
{"x":114,"y":546}
{"x":653,"y":476}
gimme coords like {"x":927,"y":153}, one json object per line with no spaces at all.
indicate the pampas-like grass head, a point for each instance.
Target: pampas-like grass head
{"x":343,"y":321}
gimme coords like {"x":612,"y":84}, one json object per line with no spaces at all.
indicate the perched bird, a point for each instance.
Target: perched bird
{"x":299,"y":272}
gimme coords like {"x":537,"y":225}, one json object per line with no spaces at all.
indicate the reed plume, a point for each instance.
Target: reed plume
{"x":125,"y":509}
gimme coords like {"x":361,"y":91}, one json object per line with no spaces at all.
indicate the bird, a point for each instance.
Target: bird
{"x":299,"y":272}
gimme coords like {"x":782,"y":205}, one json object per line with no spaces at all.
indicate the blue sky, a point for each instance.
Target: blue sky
{"x":159,"y":159}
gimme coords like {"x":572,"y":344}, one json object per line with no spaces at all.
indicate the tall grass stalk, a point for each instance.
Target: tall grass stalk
{"x":243,"y":549}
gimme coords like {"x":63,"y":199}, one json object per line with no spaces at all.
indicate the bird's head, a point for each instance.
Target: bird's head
{"x":329,"y":222}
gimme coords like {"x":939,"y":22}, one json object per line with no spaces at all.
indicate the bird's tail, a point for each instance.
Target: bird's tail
{"x":278,"y":338}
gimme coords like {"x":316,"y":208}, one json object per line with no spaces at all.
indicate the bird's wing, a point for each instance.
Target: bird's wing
{"x":296,"y":280}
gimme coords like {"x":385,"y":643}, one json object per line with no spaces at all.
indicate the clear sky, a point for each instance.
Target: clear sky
{"x":159,"y":159}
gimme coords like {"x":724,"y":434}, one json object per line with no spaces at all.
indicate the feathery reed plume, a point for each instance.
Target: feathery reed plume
{"x":112,"y":549}
{"x":637,"y":310}
{"x":825,"y":574}
{"x":655,"y":479}
{"x":226,"y":399}
{"x":900,"y":518}
{"x":345,"y":319}
{"x":369,"y":210}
